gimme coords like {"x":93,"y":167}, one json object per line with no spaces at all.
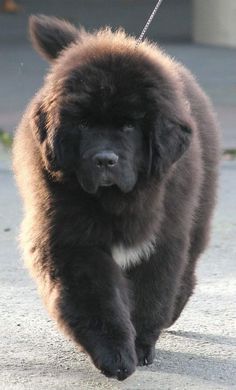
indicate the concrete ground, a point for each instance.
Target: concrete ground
{"x":198,"y":352}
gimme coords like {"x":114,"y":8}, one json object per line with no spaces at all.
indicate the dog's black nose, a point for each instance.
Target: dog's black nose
{"x":105,"y":159}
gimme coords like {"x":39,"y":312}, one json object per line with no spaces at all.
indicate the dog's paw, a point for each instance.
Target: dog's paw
{"x":145,"y":354}
{"x":116,"y":362}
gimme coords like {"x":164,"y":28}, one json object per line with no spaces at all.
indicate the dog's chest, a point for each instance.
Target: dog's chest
{"x":126,"y":257}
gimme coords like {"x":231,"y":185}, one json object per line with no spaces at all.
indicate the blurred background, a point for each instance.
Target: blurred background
{"x":199,"y":33}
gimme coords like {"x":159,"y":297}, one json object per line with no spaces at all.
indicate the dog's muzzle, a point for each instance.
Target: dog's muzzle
{"x":104,"y":169}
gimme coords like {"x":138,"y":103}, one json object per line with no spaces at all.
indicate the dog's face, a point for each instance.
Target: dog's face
{"x":102,"y":111}
{"x":103,"y":116}
{"x":110,"y":153}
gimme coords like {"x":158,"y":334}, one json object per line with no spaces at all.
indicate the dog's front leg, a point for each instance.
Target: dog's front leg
{"x":93,"y":307}
{"x":156,"y":283}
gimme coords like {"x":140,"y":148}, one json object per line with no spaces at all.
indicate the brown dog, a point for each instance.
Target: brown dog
{"x":116,"y":158}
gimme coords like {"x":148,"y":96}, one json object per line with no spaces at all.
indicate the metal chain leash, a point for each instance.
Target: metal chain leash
{"x":148,"y":22}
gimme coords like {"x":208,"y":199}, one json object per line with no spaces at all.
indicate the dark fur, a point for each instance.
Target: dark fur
{"x":165,"y":186}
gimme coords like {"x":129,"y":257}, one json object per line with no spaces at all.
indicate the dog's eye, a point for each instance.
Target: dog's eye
{"x":83,"y":124}
{"x":128,"y":127}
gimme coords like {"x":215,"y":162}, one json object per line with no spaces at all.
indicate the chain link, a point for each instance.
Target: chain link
{"x":148,"y":22}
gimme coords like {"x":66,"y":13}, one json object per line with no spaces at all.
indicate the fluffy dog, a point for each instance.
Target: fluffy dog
{"x":116,"y":159}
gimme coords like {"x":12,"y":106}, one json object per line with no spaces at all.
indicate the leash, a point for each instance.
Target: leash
{"x":148,"y":22}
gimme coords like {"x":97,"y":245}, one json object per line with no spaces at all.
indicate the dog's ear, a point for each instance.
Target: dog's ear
{"x":58,"y":146}
{"x":50,"y":35}
{"x":44,"y":140}
{"x":169,"y":141}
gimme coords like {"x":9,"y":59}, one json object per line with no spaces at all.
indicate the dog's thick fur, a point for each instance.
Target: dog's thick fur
{"x":115,"y":265}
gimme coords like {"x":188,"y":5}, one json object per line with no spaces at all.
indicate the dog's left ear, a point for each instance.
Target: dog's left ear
{"x":169,"y":141}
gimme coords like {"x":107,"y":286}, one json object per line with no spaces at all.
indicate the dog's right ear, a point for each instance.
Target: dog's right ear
{"x":50,"y":35}
{"x":58,"y":147}
{"x":44,"y":139}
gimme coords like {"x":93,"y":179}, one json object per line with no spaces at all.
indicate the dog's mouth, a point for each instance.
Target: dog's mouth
{"x":93,"y":183}
{"x":106,"y":183}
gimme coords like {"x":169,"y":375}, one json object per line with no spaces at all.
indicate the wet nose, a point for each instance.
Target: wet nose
{"x":105,"y":159}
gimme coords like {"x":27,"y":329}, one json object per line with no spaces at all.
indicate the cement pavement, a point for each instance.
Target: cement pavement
{"x":198,"y":352}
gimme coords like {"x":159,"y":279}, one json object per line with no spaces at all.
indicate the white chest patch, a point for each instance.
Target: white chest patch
{"x":130,"y":256}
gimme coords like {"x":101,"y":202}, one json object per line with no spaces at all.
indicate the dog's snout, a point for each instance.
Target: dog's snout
{"x":105,"y":159}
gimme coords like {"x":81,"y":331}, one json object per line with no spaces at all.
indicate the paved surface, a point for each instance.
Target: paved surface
{"x":198,"y":352}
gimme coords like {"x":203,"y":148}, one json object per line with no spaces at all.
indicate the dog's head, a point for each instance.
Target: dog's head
{"x":109,"y":113}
